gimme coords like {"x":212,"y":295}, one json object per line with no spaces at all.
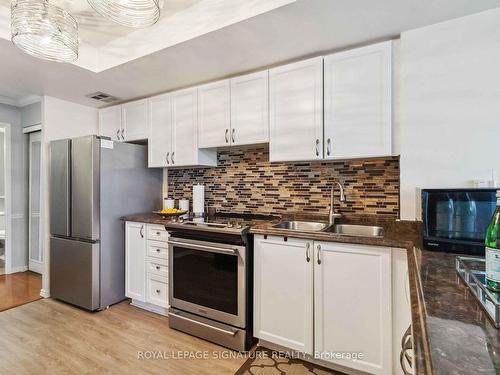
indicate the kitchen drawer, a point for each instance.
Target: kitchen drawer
{"x":157,"y":290}
{"x":157,"y":233}
{"x":157,"y":249}
{"x":157,"y":266}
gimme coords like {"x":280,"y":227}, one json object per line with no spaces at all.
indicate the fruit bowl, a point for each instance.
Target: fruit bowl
{"x":170,"y":212}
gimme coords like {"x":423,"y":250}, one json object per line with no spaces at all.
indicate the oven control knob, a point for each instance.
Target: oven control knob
{"x":180,"y":219}
{"x":229,"y":225}
{"x":174,"y":220}
{"x":239,"y":226}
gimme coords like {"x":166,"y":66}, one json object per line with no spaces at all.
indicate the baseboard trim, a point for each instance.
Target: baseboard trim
{"x":44,"y":293}
{"x":18,"y":269}
{"x":150,"y":307}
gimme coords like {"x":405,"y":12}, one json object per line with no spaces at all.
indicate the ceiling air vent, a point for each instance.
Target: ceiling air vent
{"x":102,"y":97}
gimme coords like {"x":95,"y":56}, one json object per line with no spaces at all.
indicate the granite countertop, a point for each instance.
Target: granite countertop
{"x":396,"y":233}
{"x":462,"y":339}
{"x":451,"y":332}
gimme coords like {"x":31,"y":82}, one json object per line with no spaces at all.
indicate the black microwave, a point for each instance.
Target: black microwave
{"x":455,"y":220}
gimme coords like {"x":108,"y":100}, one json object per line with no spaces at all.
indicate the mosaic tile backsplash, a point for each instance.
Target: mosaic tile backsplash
{"x":245,"y":181}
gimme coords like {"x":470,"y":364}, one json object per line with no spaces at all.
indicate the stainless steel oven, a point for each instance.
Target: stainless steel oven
{"x":209,"y":279}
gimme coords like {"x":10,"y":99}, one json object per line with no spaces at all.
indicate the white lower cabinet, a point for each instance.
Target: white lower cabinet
{"x":146,"y":266}
{"x":283,"y":306}
{"x":352,"y":301}
{"x":135,"y":265}
{"x":331,"y":300}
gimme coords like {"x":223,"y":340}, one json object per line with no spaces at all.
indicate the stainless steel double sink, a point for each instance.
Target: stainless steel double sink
{"x":343,"y":229}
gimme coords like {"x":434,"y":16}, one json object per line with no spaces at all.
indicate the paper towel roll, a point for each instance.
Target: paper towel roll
{"x":198,"y":199}
{"x":184,"y":205}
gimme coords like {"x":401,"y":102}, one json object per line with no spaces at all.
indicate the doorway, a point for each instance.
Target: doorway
{"x":5,"y":212}
{"x":35,"y":248}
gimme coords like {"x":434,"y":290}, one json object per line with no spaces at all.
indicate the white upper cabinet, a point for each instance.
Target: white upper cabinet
{"x":296,"y":111}
{"x":135,"y":120}
{"x":110,"y":122}
{"x":160,"y":131}
{"x":283,"y":292}
{"x":214,"y":115}
{"x":358,"y":102}
{"x":185,"y":150}
{"x":250,"y":109}
{"x":353,"y":313}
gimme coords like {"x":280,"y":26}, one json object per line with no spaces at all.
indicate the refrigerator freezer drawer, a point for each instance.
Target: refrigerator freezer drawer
{"x":74,"y":272}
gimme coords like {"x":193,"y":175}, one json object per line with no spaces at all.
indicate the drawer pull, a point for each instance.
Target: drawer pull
{"x":158,"y":268}
{"x":158,"y":250}
{"x":158,"y":233}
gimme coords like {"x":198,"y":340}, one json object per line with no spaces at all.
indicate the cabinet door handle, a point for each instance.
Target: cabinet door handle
{"x":158,"y":268}
{"x":226,"y":135}
{"x":118,"y":134}
{"x":317,"y":147}
{"x":158,"y":251}
{"x":123,"y":134}
{"x":308,"y":255}
{"x":172,"y":158}
{"x":319,"y":254}
{"x":157,"y":291}
{"x":168,"y":154}
{"x":141,"y":232}
{"x":232,"y":135}
{"x":328,"y":146}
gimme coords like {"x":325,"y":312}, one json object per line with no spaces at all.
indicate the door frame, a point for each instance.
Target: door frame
{"x":38,"y":266}
{"x":8,"y":201}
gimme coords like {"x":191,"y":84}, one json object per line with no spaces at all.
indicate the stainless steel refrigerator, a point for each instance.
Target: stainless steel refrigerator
{"x":93,"y":183}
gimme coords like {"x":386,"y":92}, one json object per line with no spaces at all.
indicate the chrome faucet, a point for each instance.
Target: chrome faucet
{"x":335,"y":215}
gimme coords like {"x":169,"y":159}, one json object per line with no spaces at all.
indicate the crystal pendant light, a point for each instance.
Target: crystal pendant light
{"x":44,"y":31}
{"x":131,"y":13}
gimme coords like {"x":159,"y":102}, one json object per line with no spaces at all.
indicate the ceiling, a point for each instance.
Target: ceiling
{"x":211,"y":39}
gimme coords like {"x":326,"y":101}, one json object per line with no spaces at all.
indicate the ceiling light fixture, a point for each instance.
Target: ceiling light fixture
{"x":44,"y":31}
{"x":130,"y":13}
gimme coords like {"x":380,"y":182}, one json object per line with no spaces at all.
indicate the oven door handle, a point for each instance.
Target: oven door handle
{"x":230,"y":333}
{"x":211,"y":249}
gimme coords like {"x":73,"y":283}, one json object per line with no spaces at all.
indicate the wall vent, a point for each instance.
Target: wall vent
{"x":102,"y":97}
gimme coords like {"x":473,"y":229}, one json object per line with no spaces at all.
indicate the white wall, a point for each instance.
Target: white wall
{"x":60,"y":119}
{"x":19,"y":185}
{"x":449,"y":125}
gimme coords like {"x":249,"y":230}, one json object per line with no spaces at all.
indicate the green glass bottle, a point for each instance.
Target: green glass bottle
{"x":492,"y":251}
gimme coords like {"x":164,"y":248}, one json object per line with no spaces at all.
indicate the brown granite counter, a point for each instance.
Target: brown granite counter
{"x":396,"y":234}
{"x":146,"y":218}
{"x":462,"y":339}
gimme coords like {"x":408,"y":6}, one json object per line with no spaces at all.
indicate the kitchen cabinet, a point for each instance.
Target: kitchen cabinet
{"x":135,"y":120}
{"x":358,"y":102}
{"x":110,"y":122}
{"x":283,"y":301}
{"x":296,"y":111}
{"x":146,"y":266}
{"x":327,"y":297}
{"x":160,"y":145}
{"x":214,"y":115}
{"x":185,"y":151}
{"x":352,"y":304}
{"x":250,"y":109}
{"x":135,"y":264}
{"x":173,"y":129}
{"x":401,"y":324}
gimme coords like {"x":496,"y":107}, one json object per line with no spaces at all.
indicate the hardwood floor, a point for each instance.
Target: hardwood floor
{"x":48,"y":336}
{"x":19,"y":288}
